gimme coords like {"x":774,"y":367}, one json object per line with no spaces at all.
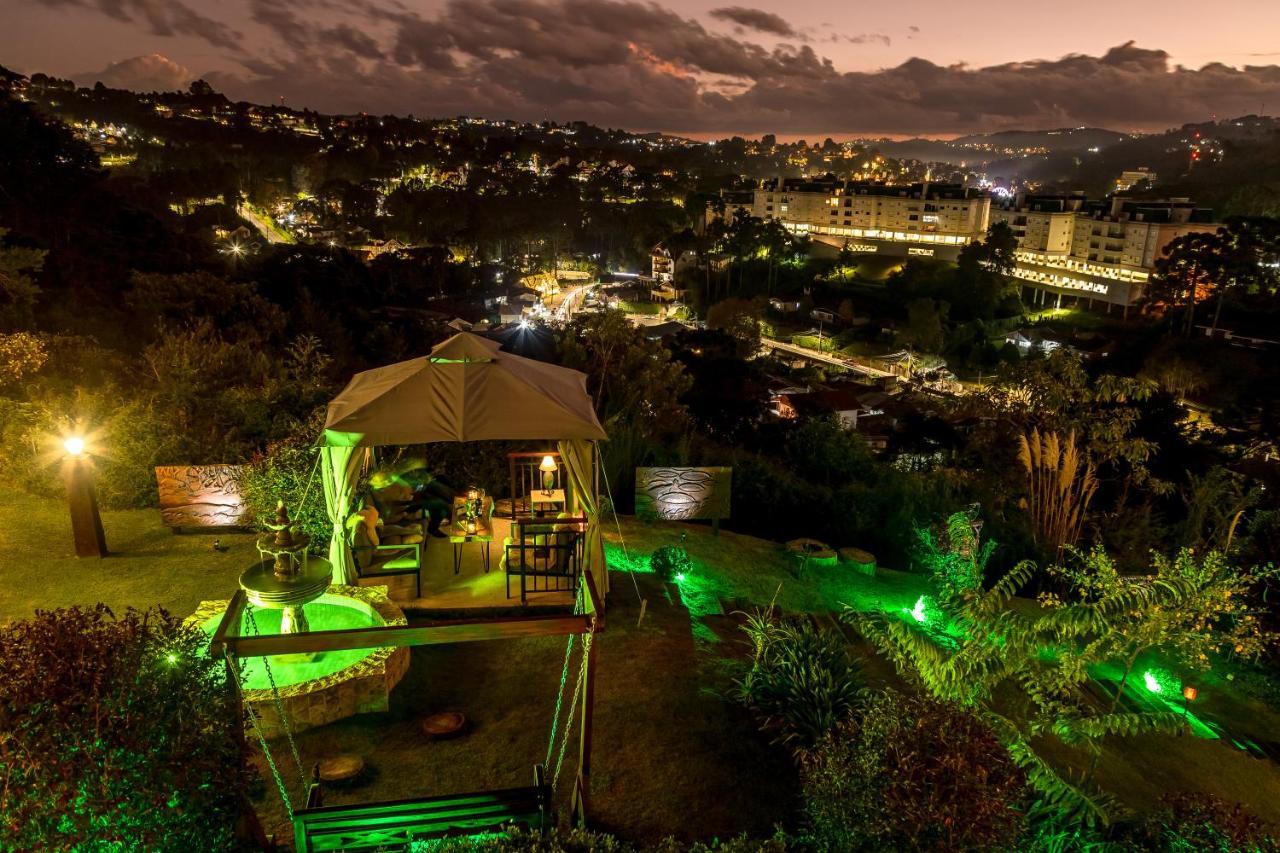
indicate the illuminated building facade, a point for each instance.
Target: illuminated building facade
{"x":1096,"y":251}
{"x":923,"y":219}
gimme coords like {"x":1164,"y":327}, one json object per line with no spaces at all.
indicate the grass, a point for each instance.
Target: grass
{"x":149,"y":565}
{"x":673,"y":754}
{"x":652,"y":308}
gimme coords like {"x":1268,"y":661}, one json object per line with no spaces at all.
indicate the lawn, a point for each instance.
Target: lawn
{"x":149,"y":565}
{"x":670,"y":744}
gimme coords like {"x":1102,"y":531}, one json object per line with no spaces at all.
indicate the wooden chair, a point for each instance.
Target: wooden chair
{"x":547,"y":550}
{"x":374,"y":560}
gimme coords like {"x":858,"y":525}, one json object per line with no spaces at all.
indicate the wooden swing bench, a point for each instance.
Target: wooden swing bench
{"x":395,"y":824}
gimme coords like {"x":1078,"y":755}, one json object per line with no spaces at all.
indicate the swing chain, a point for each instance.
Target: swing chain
{"x":262,"y":738}
{"x":573,"y":704}
{"x":275,"y":695}
{"x":564,"y":677}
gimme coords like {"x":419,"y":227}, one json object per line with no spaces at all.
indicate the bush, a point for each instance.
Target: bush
{"x":912,"y":773}
{"x":670,"y":561}
{"x":802,"y":680}
{"x":1201,"y":823}
{"x":288,"y":471}
{"x":115,"y":733}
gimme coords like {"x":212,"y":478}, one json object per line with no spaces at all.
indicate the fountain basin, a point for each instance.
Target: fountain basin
{"x":321,"y":688}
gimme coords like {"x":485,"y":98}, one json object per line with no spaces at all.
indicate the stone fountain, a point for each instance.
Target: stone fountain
{"x":286,"y":578}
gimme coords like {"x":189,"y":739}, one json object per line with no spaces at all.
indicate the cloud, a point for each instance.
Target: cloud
{"x":626,"y":63}
{"x":755,"y":19}
{"x":152,"y":73}
{"x":161,"y":18}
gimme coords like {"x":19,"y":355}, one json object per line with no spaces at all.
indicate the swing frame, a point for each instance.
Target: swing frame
{"x":228,"y":643}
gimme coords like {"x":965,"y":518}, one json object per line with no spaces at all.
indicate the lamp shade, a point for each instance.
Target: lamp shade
{"x":548,"y":464}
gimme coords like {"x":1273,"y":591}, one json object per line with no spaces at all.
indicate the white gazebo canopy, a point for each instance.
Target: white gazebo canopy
{"x":467,"y":389}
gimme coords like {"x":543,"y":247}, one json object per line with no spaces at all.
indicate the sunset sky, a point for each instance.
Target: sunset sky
{"x":703,"y":67}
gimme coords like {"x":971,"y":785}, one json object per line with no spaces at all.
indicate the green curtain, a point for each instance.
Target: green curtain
{"x":578,"y":457}
{"x":342,"y":467}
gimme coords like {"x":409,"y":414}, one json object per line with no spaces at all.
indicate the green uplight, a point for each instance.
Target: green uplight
{"x":172,"y":657}
{"x":680,"y":577}
{"x":1153,"y":683}
{"x":920,"y":611}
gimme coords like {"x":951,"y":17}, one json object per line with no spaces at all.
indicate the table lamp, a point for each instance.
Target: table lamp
{"x":548,"y":469}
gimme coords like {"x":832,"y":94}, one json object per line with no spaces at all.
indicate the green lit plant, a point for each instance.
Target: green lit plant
{"x":288,"y":471}
{"x":116,"y":732}
{"x":1190,"y":608}
{"x":1045,"y":657}
{"x":671,"y":562}
{"x":954,"y":555}
{"x":912,"y":773}
{"x":802,"y":681}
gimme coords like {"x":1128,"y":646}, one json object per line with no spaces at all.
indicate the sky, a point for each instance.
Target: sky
{"x":697,"y":67}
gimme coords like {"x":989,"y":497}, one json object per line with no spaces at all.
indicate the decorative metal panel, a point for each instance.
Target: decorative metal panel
{"x":202,"y":496}
{"x":681,"y":494}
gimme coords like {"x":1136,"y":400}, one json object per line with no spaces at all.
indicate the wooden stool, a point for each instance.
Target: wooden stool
{"x":444,"y":725}
{"x":341,"y":768}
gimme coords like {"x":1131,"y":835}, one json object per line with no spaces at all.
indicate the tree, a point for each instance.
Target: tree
{"x":924,"y":328}
{"x":1189,"y":608}
{"x":18,"y":292}
{"x":628,"y":375}
{"x":116,"y":732}
{"x":740,"y":319}
{"x":974,"y":647}
{"x":1191,"y":270}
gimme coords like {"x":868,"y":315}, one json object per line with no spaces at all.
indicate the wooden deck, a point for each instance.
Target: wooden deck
{"x":471,"y":588}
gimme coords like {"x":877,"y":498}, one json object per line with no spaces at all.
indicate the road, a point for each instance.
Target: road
{"x":826,"y":358}
{"x":567,"y":301}
{"x":267,"y":229}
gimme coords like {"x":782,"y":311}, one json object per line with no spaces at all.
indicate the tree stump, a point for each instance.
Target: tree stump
{"x":341,"y":768}
{"x":863,"y":562}
{"x":812,"y":552}
{"x":444,"y":725}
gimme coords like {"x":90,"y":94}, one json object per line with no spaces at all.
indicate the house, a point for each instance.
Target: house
{"x":661,"y":331}
{"x":1030,"y":341}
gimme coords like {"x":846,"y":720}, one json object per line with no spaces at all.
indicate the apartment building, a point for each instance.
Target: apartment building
{"x":1098,"y":251}
{"x":918,"y":219}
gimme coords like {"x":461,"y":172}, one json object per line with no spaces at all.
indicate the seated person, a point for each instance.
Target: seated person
{"x":412,"y":485}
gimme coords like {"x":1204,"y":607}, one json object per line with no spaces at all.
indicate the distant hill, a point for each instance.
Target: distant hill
{"x":1061,"y":139}
{"x":1231,"y":165}
{"x":1012,"y":152}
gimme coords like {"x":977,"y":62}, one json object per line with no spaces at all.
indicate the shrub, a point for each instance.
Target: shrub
{"x":1201,"y":823}
{"x":912,"y":773}
{"x":670,"y":561}
{"x":288,"y":471}
{"x":115,"y":733}
{"x":802,"y":680}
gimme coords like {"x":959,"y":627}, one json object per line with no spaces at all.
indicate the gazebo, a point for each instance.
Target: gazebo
{"x":466,"y":389}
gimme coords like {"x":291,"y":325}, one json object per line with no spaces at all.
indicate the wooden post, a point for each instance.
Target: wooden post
{"x":86,"y":522}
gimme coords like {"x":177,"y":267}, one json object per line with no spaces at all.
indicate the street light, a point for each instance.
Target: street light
{"x":86,"y":521}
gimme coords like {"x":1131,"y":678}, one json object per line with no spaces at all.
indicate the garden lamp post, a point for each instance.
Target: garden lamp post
{"x":86,"y":522}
